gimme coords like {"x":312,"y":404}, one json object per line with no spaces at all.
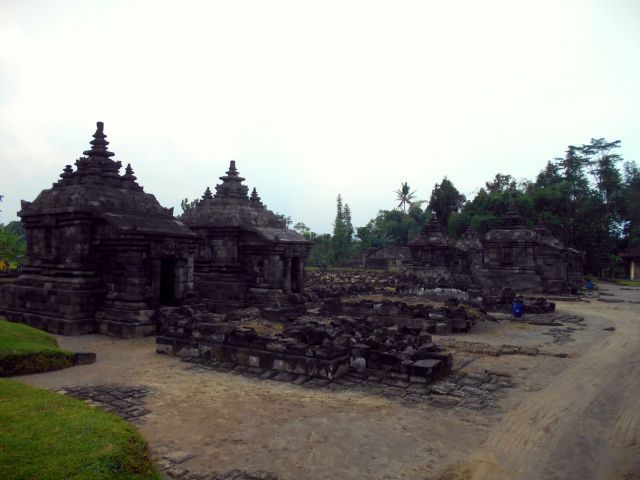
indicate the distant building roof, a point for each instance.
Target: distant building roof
{"x":391,"y":252}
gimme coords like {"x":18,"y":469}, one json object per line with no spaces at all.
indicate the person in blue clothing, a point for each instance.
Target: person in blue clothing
{"x":517,"y":308}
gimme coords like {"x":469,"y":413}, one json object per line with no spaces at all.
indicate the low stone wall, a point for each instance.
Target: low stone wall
{"x":504,"y":301}
{"x":306,"y":346}
{"x":332,"y":283}
{"x":437,"y":320}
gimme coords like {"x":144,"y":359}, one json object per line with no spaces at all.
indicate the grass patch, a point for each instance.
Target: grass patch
{"x":629,"y":283}
{"x":24,"y":349}
{"x":46,"y":435}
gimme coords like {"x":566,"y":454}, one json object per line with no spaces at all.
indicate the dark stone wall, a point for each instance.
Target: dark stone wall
{"x":96,"y":243}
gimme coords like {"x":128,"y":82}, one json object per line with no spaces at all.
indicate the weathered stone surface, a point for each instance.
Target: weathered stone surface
{"x":248,"y":257}
{"x":178,"y":456}
{"x":126,"y":401}
{"x":84,"y":358}
{"x":102,"y":253}
{"x":443,"y":388}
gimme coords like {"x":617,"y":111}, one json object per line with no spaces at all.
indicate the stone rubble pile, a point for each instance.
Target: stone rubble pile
{"x":312,"y":345}
{"x":450,"y":316}
{"x":327,"y":284}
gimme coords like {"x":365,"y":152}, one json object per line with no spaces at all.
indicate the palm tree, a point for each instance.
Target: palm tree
{"x":405,"y":196}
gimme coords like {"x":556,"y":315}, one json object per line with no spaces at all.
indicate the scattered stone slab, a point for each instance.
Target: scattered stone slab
{"x":478,"y":387}
{"x":486,"y":349}
{"x":126,"y":401}
{"x":178,"y":456}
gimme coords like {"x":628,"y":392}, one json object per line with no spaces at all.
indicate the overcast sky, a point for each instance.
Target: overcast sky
{"x":313,"y":98}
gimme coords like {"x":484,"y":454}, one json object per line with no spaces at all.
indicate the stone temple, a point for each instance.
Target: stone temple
{"x":512,"y":255}
{"x":102,"y":253}
{"x":246,"y":255}
{"x":104,"y":256}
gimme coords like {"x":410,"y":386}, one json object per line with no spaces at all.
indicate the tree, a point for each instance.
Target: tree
{"x":631,"y":210}
{"x":13,"y":248}
{"x":13,"y":245}
{"x":340,"y":239}
{"x":445,"y":200}
{"x":320,"y":254}
{"x":601,"y":163}
{"x":582,"y":197}
{"x":501,"y":183}
{"x":301,"y":228}
{"x":550,"y":175}
{"x":405,"y":196}
{"x":187,"y":204}
{"x":347,"y":222}
{"x":285,"y":219}
{"x":392,"y":227}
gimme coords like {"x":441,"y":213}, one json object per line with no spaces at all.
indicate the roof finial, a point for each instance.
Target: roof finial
{"x":233,"y":171}
{"x":128,"y":173}
{"x":231,"y":186}
{"x":512,"y":220}
{"x":255,"y":198}
{"x":99,"y":144}
{"x":207,"y":194}
{"x":67,"y":172}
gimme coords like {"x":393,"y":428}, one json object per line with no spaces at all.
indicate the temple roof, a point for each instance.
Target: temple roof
{"x":512,"y":220}
{"x":546,"y":237}
{"x":232,"y":207}
{"x":431,"y":236}
{"x":512,"y":229}
{"x":97,"y":186}
{"x":394,"y":252}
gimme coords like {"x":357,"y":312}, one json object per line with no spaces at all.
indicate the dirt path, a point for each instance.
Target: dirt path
{"x":575,"y":417}
{"x":585,"y":423}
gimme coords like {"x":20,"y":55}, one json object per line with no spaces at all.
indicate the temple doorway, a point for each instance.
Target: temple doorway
{"x":168,"y":281}
{"x":295,"y":275}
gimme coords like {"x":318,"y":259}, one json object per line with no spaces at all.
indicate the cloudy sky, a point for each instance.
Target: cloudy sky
{"x":313,"y":98}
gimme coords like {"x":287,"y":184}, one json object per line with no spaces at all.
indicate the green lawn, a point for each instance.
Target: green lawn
{"x":629,"y":283}
{"x":25,"y":349}
{"x":45,"y":435}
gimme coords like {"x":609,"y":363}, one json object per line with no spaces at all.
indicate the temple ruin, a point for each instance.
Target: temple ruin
{"x":512,"y":255}
{"x":102,"y":253}
{"x":246,"y":255}
{"x":226,"y":282}
{"x":437,"y":260}
{"x":104,"y":256}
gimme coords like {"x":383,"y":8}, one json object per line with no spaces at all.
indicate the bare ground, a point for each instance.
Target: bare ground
{"x":567,"y":418}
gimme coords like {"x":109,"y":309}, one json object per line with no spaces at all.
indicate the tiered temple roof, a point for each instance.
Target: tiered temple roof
{"x":431,"y":235}
{"x":231,"y":206}
{"x":97,"y":186}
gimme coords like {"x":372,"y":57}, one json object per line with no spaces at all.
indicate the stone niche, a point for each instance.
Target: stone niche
{"x":246,"y":255}
{"x":103,"y":255}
